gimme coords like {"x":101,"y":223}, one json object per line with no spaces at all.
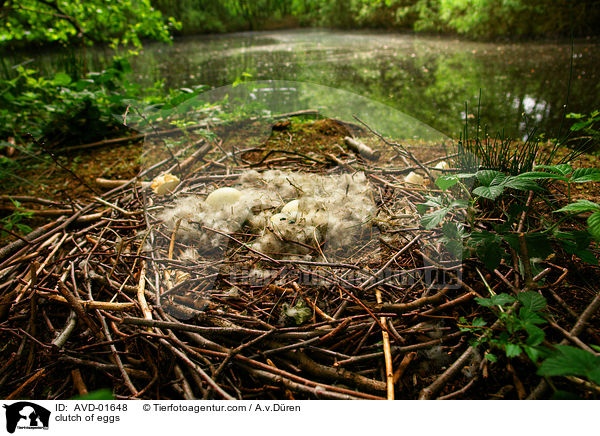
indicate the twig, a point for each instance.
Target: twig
{"x":389,"y":370}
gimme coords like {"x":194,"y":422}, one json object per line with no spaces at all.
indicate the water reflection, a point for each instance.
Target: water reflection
{"x":428,"y":78}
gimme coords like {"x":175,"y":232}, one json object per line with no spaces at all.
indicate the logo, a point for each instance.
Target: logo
{"x":26,"y":415}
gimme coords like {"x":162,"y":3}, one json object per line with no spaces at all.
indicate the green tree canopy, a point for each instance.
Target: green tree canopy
{"x":115,"y":22}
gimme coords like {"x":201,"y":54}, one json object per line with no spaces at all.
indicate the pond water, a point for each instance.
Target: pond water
{"x":523,"y":85}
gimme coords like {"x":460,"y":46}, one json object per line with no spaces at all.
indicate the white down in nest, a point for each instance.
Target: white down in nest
{"x":283,"y":209}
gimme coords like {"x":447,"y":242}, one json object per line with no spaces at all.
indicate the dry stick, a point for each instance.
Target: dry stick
{"x":364,"y":306}
{"x":361,"y":148}
{"x":337,"y":374}
{"x":116,"y":356}
{"x":389,"y":262}
{"x":399,"y":147}
{"x":402,"y":367}
{"x":428,"y":392}
{"x":186,"y":389}
{"x":540,"y":389}
{"x":9,"y":249}
{"x":62,"y":338}
{"x":215,"y":349}
{"x":407,"y":307}
{"x":78,"y":309}
{"x":104,"y":366}
{"x":440,"y":308}
{"x":401,"y":349}
{"x":387,"y":353}
{"x":238,"y":350}
{"x":141,"y":296}
{"x":78,"y":382}
{"x":36,"y":272}
{"x":30,"y":199}
{"x":87,"y":305}
{"x":17,"y":392}
{"x":197,"y":369}
{"x":190,"y":327}
{"x":460,"y":391}
{"x":311,"y":304}
{"x":198,"y":154}
{"x":574,"y":339}
{"x":297,"y":387}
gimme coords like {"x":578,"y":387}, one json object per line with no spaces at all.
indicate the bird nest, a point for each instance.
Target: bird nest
{"x":316,"y":281}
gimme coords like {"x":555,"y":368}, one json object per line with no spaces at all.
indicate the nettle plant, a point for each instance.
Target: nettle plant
{"x":491,"y":185}
{"x":519,"y":318}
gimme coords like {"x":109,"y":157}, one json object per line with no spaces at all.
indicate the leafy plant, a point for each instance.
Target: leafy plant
{"x":589,"y":126}
{"x":13,"y":222}
{"x":519,"y":331}
{"x":567,"y":360}
{"x":582,"y":206}
{"x":491,"y":184}
{"x":124,"y":22}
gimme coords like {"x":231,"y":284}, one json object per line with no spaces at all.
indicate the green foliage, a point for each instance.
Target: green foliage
{"x":567,"y":360}
{"x":13,"y":222}
{"x":589,"y":126}
{"x":582,"y":206}
{"x":519,"y":331}
{"x":474,"y":18}
{"x":487,"y":245}
{"x":204,"y":16}
{"x":123,"y":22}
{"x":100,"y":394}
{"x":36,"y":105}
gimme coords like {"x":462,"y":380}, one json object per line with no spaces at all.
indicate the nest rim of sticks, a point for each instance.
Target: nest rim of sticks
{"x":81,"y":306}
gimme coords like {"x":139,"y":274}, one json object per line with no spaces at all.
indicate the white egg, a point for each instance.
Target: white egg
{"x":164,"y":184}
{"x":291,"y":208}
{"x":443,"y":165}
{"x":222,"y":197}
{"x":279,"y":221}
{"x":414,"y":178}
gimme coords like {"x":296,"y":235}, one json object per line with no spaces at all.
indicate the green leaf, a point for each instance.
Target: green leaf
{"x":538,"y":244}
{"x":521,"y":184}
{"x":62,"y":79}
{"x":532,"y":352}
{"x":541,"y":175}
{"x":563,"y":169}
{"x":580,"y":206}
{"x":585,"y":255}
{"x":101,"y":394}
{"x":529,"y":317}
{"x":593,"y":222}
{"x":536,"y":335}
{"x":479,"y":322}
{"x":513,"y":350}
{"x":495,"y":300}
{"x":490,"y":177}
{"x":434,"y":218}
{"x":572,"y":361}
{"x":582,"y":175}
{"x":446,"y":181}
{"x":489,"y":192}
{"x":491,"y":357}
{"x":531,"y":300}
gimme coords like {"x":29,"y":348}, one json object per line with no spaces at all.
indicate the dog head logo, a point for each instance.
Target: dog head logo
{"x":26,"y":415}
